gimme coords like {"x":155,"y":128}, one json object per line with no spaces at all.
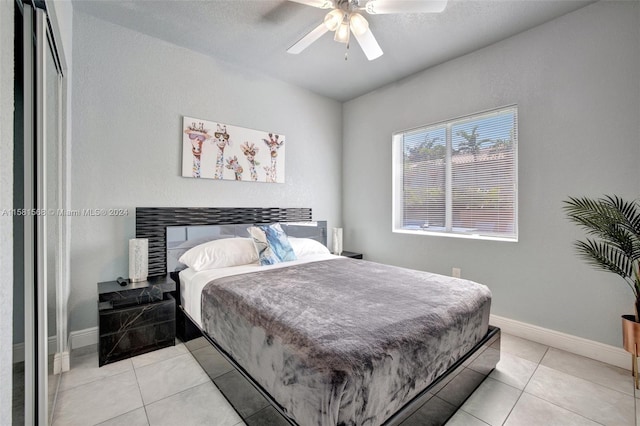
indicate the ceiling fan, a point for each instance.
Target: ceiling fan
{"x":345,"y":18}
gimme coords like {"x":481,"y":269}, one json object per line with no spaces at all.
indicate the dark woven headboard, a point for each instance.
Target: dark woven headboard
{"x":152,"y":222}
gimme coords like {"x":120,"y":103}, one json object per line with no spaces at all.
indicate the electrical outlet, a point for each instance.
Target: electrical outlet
{"x":455,"y":272}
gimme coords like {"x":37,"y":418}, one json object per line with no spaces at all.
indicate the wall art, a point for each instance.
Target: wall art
{"x":221,"y":151}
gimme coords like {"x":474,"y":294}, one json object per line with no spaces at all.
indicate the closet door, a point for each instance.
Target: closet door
{"x":50,"y":185}
{"x":29,"y":223}
{"x":42,"y":118}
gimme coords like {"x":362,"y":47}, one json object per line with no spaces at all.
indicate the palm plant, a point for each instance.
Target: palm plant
{"x":614,"y":246}
{"x":471,"y":142}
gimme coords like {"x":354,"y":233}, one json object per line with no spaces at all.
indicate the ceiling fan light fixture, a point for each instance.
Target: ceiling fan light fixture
{"x":358,"y":24}
{"x":346,"y":17}
{"x":333,"y":19}
{"x":342,"y":33}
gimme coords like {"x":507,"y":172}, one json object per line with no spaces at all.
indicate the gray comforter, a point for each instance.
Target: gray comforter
{"x":344,"y":341}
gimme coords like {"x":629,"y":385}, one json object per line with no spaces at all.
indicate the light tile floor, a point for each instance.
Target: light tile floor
{"x":532,"y":385}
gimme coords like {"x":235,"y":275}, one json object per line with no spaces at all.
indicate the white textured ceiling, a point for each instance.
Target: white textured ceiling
{"x":256,"y":33}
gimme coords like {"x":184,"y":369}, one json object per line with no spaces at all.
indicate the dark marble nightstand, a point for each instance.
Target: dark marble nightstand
{"x":136,"y":318}
{"x":351,"y":254}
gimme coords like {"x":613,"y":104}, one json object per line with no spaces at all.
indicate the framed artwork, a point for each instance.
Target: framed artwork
{"x":221,"y":151}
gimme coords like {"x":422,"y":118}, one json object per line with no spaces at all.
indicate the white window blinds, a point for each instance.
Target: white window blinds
{"x":458,"y":177}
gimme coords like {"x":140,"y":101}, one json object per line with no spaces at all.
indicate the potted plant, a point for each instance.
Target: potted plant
{"x":613,"y":225}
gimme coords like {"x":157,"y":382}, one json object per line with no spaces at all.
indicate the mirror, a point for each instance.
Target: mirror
{"x":36,"y":242}
{"x":18,"y":228}
{"x":52,"y":143}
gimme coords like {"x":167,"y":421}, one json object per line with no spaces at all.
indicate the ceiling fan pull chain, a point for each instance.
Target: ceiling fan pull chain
{"x":346,"y":54}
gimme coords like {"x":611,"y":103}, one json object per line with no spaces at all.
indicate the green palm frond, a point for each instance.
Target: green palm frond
{"x":605,"y":256}
{"x":629,"y":210}
{"x":609,"y":220}
{"x":614,"y":225}
{"x":595,"y":216}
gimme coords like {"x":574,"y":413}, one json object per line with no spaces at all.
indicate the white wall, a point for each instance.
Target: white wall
{"x":6,"y":201}
{"x":576,"y":81}
{"x":61,"y":17}
{"x":130,"y":92}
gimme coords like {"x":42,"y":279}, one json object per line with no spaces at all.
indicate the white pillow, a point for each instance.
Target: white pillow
{"x":304,"y":247}
{"x":220,"y":254}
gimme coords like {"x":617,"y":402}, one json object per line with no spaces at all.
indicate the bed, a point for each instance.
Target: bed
{"x":335,"y":341}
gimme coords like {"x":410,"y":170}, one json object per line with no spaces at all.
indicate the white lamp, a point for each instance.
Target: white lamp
{"x":333,"y":19}
{"x":342,"y":33}
{"x":337,"y":241}
{"x":138,"y":259}
{"x":359,"y":25}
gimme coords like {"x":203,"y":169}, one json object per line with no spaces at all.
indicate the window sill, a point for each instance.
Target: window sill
{"x":454,"y":235}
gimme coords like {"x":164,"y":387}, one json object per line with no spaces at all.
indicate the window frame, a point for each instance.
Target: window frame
{"x":398,"y":178}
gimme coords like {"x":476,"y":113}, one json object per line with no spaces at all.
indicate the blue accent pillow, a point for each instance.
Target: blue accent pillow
{"x":271,"y":244}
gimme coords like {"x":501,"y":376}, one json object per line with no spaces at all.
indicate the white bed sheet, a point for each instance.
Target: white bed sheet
{"x":192,"y":282}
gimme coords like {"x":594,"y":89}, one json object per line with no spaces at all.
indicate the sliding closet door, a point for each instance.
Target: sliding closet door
{"x":18,"y":382}
{"x":50,"y":185}
{"x":29,"y":225}
{"x":42,"y":239}
{"x":42,"y":140}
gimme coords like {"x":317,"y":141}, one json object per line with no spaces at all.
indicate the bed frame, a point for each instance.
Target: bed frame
{"x":170,"y":233}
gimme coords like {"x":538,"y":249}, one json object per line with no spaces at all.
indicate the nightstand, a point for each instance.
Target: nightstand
{"x":136,"y":318}
{"x":351,"y":254}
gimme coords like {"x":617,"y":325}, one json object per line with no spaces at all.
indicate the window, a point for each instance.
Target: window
{"x":458,"y":178}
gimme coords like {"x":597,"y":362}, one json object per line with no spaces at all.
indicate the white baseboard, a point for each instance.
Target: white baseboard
{"x":86,"y":337}
{"x":577,"y":345}
{"x":61,"y":362}
{"x":18,"y":349}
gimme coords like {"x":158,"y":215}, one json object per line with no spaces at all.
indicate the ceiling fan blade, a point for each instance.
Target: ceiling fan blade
{"x":369,"y":44}
{"x":307,"y":40}
{"x":321,"y":4}
{"x":378,"y":7}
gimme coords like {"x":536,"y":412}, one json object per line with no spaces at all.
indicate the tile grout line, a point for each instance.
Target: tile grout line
{"x":466,"y":412}
{"x":93,"y":380}
{"x":564,"y":408}
{"x":551,"y":402}
{"x":134,"y":368}
{"x":175,"y":393}
{"x":582,"y":378}
{"x":144,"y":406}
{"x":170,"y":395}
{"x":119,"y":415}
{"x":110,"y":376}
{"x":157,"y":361}
{"x":588,"y":380}
{"x":525,"y":385}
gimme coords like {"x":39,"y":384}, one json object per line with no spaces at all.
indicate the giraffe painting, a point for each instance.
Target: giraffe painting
{"x":250,"y":150}
{"x":197,"y":135}
{"x":274,"y":145}
{"x":221,"y":141}
{"x":233,"y":164}
{"x":213,"y":150}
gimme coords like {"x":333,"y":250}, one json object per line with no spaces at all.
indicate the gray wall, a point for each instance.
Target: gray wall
{"x":130,"y":92}
{"x":576,"y":81}
{"x":6,"y":201}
